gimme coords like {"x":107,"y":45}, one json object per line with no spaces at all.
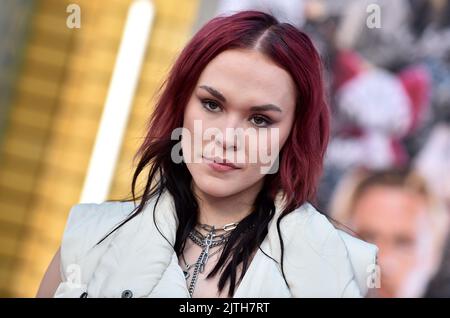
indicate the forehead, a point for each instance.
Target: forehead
{"x":390,"y":208}
{"x":248,"y":74}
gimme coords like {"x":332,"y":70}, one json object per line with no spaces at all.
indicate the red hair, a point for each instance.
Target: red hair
{"x":301,"y":157}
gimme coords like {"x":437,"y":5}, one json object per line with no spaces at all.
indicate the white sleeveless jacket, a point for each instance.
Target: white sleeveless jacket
{"x":137,"y":261}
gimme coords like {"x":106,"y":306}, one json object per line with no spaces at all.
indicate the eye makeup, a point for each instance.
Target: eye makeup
{"x":256,"y":119}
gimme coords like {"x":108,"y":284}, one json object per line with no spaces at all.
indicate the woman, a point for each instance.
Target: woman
{"x":220,"y":216}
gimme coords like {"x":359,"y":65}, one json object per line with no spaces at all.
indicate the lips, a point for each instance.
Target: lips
{"x":221,"y":164}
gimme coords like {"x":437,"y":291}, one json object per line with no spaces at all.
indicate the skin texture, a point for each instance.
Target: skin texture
{"x":245,"y":78}
{"x":398,"y":222}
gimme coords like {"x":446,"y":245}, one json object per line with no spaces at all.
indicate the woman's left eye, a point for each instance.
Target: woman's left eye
{"x":260,"y":121}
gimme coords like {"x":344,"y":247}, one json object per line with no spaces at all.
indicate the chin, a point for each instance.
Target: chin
{"x":216,"y":187}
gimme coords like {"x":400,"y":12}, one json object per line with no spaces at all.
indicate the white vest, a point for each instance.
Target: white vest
{"x":137,"y":261}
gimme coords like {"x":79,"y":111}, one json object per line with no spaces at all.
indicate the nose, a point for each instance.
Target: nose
{"x":227,"y":141}
{"x":230,"y":135}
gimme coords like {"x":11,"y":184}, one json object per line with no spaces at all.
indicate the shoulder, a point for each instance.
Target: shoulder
{"x":105,"y":265}
{"x":319,"y":255}
{"x":87,"y":224}
{"x":307,"y":224}
{"x":82,"y":214}
{"x":95,"y":218}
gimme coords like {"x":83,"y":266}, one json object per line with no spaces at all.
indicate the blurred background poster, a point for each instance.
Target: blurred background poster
{"x":78,"y":80}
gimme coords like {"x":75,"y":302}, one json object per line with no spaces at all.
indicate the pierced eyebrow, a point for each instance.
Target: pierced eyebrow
{"x":219,"y":96}
{"x":214,"y":92}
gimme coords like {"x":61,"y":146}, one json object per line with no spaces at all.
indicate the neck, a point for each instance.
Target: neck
{"x":219,"y":211}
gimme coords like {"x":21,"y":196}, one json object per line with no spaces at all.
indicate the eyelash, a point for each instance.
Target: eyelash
{"x":204,"y":102}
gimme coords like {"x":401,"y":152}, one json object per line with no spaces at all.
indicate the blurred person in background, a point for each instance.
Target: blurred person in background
{"x":433,"y":163}
{"x":389,"y":86}
{"x":373,"y":112}
{"x":394,"y":209}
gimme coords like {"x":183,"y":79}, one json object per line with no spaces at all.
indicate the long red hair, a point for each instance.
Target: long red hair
{"x":301,"y":157}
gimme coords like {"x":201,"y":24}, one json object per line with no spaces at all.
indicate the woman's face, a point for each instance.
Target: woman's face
{"x":236,"y":121}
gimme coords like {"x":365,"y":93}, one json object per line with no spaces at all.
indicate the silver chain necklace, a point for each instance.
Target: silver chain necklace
{"x":206,"y":242}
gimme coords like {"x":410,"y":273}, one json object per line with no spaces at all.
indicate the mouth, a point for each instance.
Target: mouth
{"x":220,"y":164}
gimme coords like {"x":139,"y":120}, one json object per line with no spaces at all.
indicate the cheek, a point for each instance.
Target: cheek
{"x":187,"y":133}
{"x":190,"y":114}
{"x":277,"y":136}
{"x":193,"y":130}
{"x":269,"y":144}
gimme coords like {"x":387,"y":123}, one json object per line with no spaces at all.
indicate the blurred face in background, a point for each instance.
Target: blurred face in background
{"x":238,"y":90}
{"x":397,"y":221}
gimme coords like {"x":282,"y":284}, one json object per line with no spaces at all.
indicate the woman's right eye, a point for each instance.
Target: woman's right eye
{"x":211,"y":105}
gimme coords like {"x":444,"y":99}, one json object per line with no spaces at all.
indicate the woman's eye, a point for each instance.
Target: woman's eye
{"x":210,"y":105}
{"x":260,"y":121}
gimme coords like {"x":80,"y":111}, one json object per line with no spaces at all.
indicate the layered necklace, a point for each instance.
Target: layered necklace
{"x":214,"y":238}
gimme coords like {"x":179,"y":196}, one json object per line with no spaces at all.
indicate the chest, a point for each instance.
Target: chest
{"x":203,"y":287}
{"x":262,"y":278}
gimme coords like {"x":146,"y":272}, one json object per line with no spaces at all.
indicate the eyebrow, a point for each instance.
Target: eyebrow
{"x":265,"y":107}
{"x":218,"y":95}
{"x":214,"y":92}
